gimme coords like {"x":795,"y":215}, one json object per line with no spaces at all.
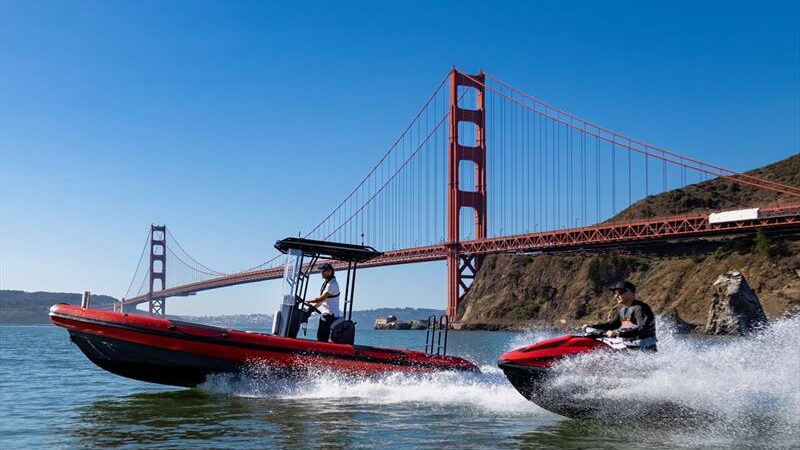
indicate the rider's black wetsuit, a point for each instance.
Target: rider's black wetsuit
{"x":636,"y":325}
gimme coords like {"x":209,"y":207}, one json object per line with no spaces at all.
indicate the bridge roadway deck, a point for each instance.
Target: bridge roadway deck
{"x":784,"y":219}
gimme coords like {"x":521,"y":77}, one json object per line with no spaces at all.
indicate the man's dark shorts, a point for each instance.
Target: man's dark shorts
{"x":324,"y":331}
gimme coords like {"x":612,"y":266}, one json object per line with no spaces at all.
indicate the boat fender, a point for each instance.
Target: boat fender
{"x":343,"y":331}
{"x":276,"y":323}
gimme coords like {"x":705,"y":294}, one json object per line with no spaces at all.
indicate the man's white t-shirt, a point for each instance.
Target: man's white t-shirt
{"x":331,"y":304}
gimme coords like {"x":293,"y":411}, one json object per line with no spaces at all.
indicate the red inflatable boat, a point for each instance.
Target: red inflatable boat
{"x":160,"y":350}
{"x":184,"y":354}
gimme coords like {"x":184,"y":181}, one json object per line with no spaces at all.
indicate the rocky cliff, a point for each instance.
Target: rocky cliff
{"x":512,"y":291}
{"x":676,"y":279}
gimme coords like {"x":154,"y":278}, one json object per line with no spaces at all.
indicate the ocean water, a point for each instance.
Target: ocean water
{"x":746,"y":392}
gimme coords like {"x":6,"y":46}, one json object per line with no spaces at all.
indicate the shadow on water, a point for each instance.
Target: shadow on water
{"x":193,"y":417}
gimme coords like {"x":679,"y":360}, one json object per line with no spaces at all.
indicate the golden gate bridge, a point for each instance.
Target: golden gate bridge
{"x":485,"y":168}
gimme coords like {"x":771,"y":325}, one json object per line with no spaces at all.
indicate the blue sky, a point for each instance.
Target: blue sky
{"x":226,"y":120}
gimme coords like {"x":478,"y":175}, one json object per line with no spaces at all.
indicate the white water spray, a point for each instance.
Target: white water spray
{"x":736,"y":388}
{"x":487,"y":390}
{"x":742,"y":387}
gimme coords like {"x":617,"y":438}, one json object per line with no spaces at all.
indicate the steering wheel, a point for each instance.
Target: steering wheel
{"x":310,"y":307}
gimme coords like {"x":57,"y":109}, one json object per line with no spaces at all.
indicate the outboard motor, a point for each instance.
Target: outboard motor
{"x":343,"y":331}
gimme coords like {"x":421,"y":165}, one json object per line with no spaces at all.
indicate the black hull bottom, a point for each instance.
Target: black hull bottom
{"x":532,"y":383}
{"x":151,"y":364}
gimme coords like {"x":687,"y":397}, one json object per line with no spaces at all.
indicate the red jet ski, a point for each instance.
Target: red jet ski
{"x":530,"y":369}
{"x":160,"y":350}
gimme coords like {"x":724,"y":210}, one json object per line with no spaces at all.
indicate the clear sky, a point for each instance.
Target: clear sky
{"x":225,"y":120}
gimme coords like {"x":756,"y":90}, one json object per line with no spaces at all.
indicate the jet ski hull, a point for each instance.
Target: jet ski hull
{"x":533,"y":384}
{"x":178,"y":353}
{"x":529,"y":369}
{"x":532,"y":371}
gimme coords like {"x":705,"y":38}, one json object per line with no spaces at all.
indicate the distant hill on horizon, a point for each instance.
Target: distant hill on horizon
{"x":31,"y":308}
{"x":365,"y":317}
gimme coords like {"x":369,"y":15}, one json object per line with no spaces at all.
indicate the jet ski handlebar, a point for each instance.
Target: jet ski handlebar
{"x":593,"y":332}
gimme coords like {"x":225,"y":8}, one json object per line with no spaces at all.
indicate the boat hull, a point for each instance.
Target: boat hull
{"x":178,"y":353}
{"x":151,"y":364}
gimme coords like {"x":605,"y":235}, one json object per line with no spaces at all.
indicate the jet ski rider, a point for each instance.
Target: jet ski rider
{"x":634,"y":321}
{"x":327,"y":302}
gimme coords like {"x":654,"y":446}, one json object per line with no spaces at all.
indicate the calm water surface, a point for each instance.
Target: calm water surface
{"x":52,"y":396}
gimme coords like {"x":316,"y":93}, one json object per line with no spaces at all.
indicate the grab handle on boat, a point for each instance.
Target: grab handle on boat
{"x":444,"y":325}
{"x":85,"y":299}
{"x":434,"y":339}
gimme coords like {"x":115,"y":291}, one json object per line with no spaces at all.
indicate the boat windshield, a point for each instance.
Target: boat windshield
{"x":292,"y":280}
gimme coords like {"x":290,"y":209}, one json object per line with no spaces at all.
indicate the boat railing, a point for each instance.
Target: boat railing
{"x":85,"y":299}
{"x":436,"y":335}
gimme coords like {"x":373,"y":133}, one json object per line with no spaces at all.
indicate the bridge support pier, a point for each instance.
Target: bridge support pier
{"x":461,"y":268}
{"x":158,"y":268}
{"x":156,"y":307}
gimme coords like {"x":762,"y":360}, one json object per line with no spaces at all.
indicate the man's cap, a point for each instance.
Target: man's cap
{"x":622,"y":286}
{"x":325,"y":266}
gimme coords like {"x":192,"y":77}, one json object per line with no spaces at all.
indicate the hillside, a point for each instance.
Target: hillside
{"x":512,"y":291}
{"x":718,"y":194}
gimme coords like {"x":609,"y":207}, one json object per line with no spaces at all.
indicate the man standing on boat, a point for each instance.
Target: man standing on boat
{"x":327,"y":302}
{"x":633,"y":321}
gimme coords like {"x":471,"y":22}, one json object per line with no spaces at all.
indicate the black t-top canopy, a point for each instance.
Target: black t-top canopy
{"x":328,"y":250}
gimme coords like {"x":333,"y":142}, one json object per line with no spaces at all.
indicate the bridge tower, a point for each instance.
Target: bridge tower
{"x":461,"y":267}
{"x":158,"y":253}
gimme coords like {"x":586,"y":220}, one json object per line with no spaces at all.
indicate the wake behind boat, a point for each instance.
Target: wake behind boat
{"x":160,"y":350}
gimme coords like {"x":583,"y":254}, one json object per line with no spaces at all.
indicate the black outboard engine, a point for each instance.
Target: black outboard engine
{"x":343,"y":331}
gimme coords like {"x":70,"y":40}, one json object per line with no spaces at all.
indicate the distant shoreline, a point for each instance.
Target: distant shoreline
{"x":20,"y":308}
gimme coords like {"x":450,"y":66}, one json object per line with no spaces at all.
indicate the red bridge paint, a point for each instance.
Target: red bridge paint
{"x":615,"y":234}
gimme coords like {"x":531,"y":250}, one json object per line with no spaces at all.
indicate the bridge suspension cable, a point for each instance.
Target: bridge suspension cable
{"x":536,"y":169}
{"x":138,"y":266}
{"x":205,"y":270}
{"x":684,"y":160}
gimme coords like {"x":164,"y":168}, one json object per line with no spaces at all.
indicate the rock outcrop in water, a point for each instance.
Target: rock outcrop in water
{"x":674,"y":319}
{"x":735,"y":308}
